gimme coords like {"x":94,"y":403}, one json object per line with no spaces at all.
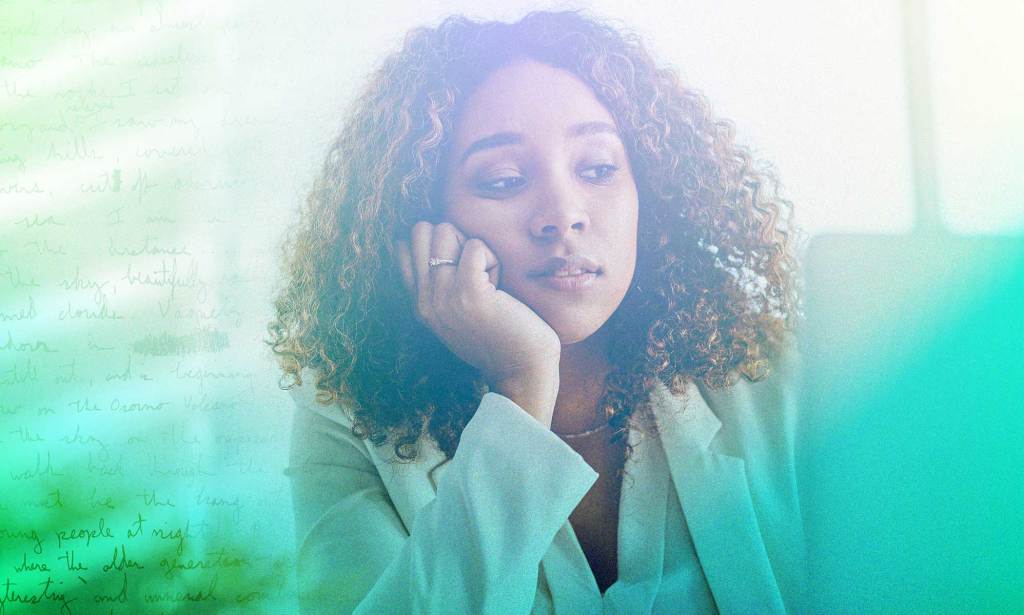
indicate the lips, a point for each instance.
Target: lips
{"x":568,"y":266}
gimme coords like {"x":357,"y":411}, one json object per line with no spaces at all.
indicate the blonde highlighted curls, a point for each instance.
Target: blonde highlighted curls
{"x":714,"y":293}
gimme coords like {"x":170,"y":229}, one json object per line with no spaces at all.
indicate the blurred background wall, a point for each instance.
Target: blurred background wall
{"x":151,"y":153}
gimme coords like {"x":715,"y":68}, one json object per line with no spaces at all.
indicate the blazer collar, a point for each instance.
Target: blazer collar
{"x":686,"y":421}
{"x":715,"y":497}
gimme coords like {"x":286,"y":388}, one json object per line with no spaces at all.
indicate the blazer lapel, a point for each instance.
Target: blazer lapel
{"x":715,"y":498}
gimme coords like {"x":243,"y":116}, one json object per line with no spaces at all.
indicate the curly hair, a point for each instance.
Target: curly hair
{"x":713,"y":296}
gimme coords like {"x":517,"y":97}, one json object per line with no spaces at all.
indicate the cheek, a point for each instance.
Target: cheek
{"x":495,"y":231}
{"x":622,"y":224}
{"x":468,"y":219}
{"x":456,"y":214}
{"x":510,"y":255}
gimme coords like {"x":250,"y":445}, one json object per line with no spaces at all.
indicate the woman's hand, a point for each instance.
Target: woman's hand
{"x":515,"y":351}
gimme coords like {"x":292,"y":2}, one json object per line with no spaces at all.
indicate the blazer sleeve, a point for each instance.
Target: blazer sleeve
{"x":474,"y":548}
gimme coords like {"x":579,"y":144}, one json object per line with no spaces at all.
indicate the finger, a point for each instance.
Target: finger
{"x":458,"y":233}
{"x":492,"y":265}
{"x":405,"y":264}
{"x":493,"y":268}
{"x":420,"y":250}
{"x":445,"y":244}
{"x":478,"y":265}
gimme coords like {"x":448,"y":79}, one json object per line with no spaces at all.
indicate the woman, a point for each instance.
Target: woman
{"x":535,"y":265}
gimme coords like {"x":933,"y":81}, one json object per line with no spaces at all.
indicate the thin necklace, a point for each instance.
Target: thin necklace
{"x":571,"y":436}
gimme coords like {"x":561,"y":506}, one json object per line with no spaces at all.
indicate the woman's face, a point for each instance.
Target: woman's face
{"x":539,"y":173}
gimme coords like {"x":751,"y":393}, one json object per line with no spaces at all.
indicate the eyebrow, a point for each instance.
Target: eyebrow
{"x":492,"y":141}
{"x":515,"y":138}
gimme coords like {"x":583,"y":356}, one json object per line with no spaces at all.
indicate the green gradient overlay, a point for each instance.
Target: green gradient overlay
{"x":913,"y":430}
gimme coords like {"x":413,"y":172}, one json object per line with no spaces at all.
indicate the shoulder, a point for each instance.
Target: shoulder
{"x":760,"y":416}
{"x":305,"y":397}
{"x":320,"y":432}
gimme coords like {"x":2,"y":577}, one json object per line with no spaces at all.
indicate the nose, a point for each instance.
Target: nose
{"x":560,"y":212}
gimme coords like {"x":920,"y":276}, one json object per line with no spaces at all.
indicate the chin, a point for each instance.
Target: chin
{"x":573,"y":338}
{"x":575,"y":332}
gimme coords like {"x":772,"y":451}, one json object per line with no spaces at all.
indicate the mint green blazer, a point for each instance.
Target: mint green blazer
{"x":711,"y":522}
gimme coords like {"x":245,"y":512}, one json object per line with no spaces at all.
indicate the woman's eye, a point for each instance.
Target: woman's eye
{"x":600,"y":172}
{"x":502,"y":184}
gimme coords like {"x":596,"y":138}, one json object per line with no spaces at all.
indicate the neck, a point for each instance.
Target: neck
{"x":581,"y":378}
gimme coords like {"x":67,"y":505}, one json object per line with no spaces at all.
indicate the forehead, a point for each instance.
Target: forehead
{"x":529,"y":97}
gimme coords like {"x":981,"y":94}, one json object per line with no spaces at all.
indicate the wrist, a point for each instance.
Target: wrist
{"x":535,"y":392}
